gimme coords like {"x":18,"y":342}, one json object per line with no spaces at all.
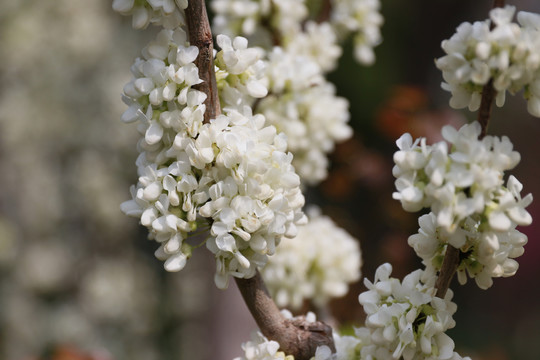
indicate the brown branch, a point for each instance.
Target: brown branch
{"x":200,"y":35}
{"x":295,"y":337}
{"x":451,"y":257}
{"x":484,"y":112}
{"x":325,"y":11}
{"x":448,"y":269}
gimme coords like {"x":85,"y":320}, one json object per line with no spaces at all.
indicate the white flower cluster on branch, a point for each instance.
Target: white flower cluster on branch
{"x":318,"y":264}
{"x":232,"y":175}
{"x":304,"y":106}
{"x":471,"y":207}
{"x":299,"y":51}
{"x":405,"y":319}
{"x":498,"y":49}
{"x":363,"y":20}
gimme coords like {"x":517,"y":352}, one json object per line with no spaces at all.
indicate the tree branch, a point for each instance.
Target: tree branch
{"x":448,"y":270}
{"x":325,"y":11}
{"x":451,"y":257}
{"x":295,"y":337}
{"x":484,"y":112}
{"x":200,"y":35}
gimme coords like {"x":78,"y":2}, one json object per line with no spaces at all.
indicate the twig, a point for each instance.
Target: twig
{"x":325,"y":11}
{"x":448,"y":269}
{"x":296,"y":337}
{"x":451,"y":257}
{"x":200,"y":35}
{"x":484,"y":112}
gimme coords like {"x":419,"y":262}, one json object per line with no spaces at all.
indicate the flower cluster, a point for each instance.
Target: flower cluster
{"x":299,"y":51}
{"x":363,"y":20}
{"x":485,"y":254}
{"x":287,"y":24}
{"x":317,"y":264}
{"x":472,"y":209}
{"x":166,"y":13}
{"x":260,"y":348}
{"x":304,"y":106}
{"x":499,"y":50}
{"x":405,"y":319}
{"x":231,"y":175}
{"x":262,"y":21}
{"x":240,"y":73}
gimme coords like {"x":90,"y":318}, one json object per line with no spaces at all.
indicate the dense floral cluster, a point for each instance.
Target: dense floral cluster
{"x":317,"y":264}
{"x":166,"y":13}
{"x":405,"y":319}
{"x":363,"y":20}
{"x":471,"y":208}
{"x":287,"y":23}
{"x":300,"y":103}
{"x":231,"y":174}
{"x":304,"y":106}
{"x":499,"y":50}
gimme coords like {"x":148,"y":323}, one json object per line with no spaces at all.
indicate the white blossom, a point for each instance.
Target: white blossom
{"x":471,"y":208}
{"x":317,"y":264}
{"x":282,"y":18}
{"x":166,"y":13}
{"x":485,"y":253}
{"x":304,"y":106}
{"x":231,"y":176}
{"x":317,"y":42}
{"x":406,"y":319}
{"x":260,"y":348}
{"x":507,"y":54}
{"x":288,"y":24}
{"x":460,"y":181}
{"x":363,"y":19}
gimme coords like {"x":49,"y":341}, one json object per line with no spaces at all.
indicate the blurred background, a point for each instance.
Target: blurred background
{"x":78,"y":279}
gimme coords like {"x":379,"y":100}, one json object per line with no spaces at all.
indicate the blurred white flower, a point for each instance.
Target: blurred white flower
{"x":166,"y":13}
{"x":507,"y":54}
{"x":363,"y":19}
{"x":260,"y":348}
{"x":318,"y":264}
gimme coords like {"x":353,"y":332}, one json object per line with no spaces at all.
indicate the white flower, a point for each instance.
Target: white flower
{"x":260,"y":348}
{"x":317,"y":264}
{"x":318,"y":42}
{"x":455,"y":183}
{"x":245,"y":17}
{"x":405,"y":319}
{"x":240,"y":77}
{"x":363,"y":19}
{"x":484,"y":253}
{"x":166,"y":13}
{"x":304,"y":106}
{"x":507,"y":54}
{"x":231,"y":176}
